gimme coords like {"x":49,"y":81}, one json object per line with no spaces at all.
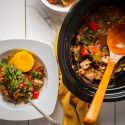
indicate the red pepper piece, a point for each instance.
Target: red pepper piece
{"x":94,"y":49}
{"x":83,"y":53}
{"x":35,"y":94}
{"x":94,"y":26}
{"x":22,"y":84}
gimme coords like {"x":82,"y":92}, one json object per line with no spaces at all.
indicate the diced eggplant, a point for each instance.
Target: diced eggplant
{"x":90,"y":75}
{"x":17,"y":95}
{"x":98,"y":75}
{"x":77,"y":52}
{"x":81,"y":71}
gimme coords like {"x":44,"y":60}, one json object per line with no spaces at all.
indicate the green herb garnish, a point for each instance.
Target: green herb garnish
{"x":5,"y":61}
{"x":19,"y":72}
{"x":35,"y":74}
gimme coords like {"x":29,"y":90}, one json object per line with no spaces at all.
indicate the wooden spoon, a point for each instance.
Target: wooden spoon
{"x":116,"y":44}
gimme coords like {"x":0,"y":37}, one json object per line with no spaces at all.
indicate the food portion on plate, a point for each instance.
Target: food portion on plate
{"x":61,"y":2}
{"x":21,"y":77}
{"x":89,"y":51}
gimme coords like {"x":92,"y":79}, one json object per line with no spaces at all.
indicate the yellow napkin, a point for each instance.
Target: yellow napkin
{"x":74,"y":108}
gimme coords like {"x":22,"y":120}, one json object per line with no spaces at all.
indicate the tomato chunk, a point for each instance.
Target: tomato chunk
{"x":22,"y":84}
{"x":35,"y":94}
{"x":52,"y":1}
{"x":83,"y":53}
{"x":94,"y":26}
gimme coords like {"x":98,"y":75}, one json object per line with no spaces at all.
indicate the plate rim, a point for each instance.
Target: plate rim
{"x":56,"y":7}
{"x":51,"y":108}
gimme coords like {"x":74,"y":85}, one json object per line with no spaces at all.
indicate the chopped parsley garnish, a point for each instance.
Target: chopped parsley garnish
{"x":35,"y":74}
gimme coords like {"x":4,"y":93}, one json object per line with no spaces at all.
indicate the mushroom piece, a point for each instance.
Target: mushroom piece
{"x":37,"y":83}
{"x":105,"y":59}
{"x":85,"y":64}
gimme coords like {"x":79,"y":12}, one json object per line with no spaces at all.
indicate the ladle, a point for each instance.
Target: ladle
{"x":116,"y":44}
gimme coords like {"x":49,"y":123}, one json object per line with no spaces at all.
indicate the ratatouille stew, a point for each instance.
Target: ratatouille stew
{"x":21,"y":77}
{"x":89,"y":51}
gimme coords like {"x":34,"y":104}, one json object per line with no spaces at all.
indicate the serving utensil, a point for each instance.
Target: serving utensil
{"x":48,"y":118}
{"x":116,"y":44}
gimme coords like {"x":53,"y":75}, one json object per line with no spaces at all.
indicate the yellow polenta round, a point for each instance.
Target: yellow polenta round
{"x":23,"y":60}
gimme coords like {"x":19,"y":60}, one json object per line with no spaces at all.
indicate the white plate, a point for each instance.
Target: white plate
{"x":48,"y":95}
{"x":56,"y":7}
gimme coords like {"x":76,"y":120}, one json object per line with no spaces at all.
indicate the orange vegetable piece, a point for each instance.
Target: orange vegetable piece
{"x":94,"y":49}
{"x":23,"y":60}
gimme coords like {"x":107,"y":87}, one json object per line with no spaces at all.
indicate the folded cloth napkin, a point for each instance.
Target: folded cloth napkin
{"x":74,"y":108}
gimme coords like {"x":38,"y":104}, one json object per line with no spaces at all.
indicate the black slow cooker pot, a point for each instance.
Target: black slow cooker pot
{"x":70,"y":26}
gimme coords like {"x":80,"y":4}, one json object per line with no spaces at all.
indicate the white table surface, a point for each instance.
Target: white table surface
{"x":31,"y":19}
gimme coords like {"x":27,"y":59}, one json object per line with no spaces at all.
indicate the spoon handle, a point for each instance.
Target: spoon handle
{"x":48,"y":118}
{"x":95,"y":107}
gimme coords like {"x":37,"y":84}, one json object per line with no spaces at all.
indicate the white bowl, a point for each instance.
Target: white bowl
{"x":56,"y":7}
{"x":48,"y":95}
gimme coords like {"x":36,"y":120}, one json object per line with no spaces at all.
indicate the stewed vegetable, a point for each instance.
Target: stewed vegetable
{"x":89,"y":51}
{"x":61,"y":2}
{"x":21,"y":77}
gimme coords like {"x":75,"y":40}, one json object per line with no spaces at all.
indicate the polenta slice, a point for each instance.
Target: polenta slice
{"x":23,"y":60}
